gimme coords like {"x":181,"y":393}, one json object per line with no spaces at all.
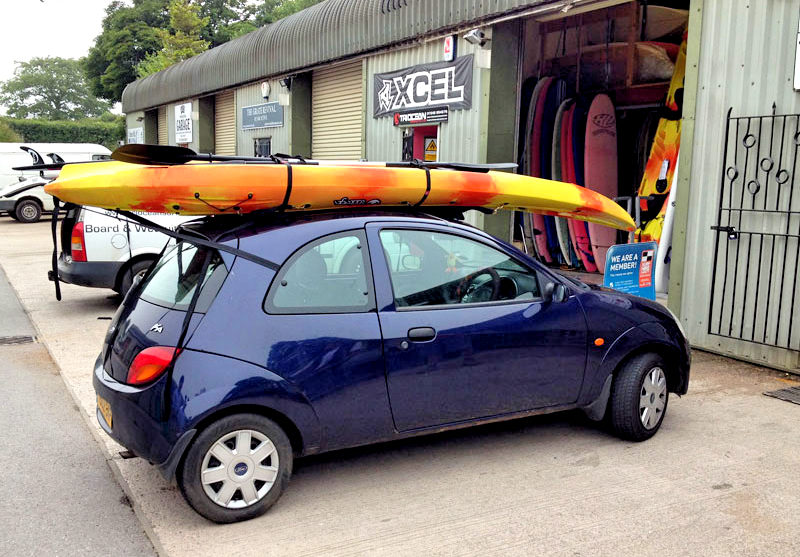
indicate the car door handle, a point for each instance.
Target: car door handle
{"x":421,"y":334}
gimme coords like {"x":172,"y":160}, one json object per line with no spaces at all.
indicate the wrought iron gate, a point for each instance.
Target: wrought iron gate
{"x":757,"y":246}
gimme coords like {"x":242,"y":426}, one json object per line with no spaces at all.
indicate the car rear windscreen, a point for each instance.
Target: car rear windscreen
{"x":177,"y":274}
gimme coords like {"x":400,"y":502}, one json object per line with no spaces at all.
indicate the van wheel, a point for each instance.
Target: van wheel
{"x":237,"y":468}
{"x":27,"y":211}
{"x":138,"y":269}
{"x":639,"y":398}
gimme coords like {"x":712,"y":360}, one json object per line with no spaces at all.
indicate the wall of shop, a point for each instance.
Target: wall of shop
{"x":250,"y":95}
{"x":462,"y":138}
{"x":746,"y":61}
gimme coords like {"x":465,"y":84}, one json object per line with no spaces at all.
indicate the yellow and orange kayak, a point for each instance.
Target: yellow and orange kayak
{"x":203,"y":188}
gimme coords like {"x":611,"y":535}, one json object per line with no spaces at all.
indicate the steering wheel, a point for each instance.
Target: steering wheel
{"x":465,"y":287}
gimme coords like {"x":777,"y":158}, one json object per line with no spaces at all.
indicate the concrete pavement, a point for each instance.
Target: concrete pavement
{"x":720,"y":478}
{"x":59,"y":496}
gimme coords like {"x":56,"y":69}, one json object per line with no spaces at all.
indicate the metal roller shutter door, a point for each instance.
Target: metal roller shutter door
{"x":225,"y":123}
{"x":337,"y":112}
{"x":163,"y":137}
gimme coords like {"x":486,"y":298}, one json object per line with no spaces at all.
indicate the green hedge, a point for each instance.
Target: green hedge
{"x":68,"y":131}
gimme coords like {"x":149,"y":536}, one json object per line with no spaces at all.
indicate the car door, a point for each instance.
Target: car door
{"x":466,"y":331}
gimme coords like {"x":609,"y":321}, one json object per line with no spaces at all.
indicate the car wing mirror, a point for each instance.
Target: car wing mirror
{"x":554,"y":292}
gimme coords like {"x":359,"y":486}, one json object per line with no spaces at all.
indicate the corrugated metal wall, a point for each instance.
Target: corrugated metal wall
{"x":461,"y":138}
{"x":746,"y":62}
{"x":163,"y":125}
{"x":250,"y":95}
{"x":225,"y":123}
{"x":337,"y":111}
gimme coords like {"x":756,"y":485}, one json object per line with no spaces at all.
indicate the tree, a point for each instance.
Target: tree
{"x":271,"y":11}
{"x":183,"y":42}
{"x":7,"y":133}
{"x":130,"y":33}
{"x":50,"y":89}
{"x":227,"y":19}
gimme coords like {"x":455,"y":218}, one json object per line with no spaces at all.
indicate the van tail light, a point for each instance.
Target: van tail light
{"x":150,"y":363}
{"x":78,"y":243}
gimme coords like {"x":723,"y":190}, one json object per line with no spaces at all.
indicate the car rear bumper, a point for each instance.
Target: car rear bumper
{"x":97,"y":274}
{"x":132,"y":425}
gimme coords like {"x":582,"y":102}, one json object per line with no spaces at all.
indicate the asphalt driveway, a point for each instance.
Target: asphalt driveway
{"x":720,"y":478}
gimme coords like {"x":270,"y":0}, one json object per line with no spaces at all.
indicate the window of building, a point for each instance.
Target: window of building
{"x":262,"y":146}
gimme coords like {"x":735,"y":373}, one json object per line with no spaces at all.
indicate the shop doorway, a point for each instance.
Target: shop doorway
{"x":421,"y":143}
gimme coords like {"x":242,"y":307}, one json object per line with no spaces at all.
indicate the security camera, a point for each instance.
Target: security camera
{"x":476,"y":36}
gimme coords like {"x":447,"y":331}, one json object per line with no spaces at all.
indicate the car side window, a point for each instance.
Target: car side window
{"x":433,"y":268}
{"x":328,"y":275}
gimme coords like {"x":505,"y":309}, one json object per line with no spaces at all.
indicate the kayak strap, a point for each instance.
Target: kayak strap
{"x":187,"y":319}
{"x":416,"y":163}
{"x":54,"y":231}
{"x":200,"y":241}
{"x":288,"y":194}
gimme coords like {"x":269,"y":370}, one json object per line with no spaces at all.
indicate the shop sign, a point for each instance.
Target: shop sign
{"x":630,"y":268}
{"x":428,"y":116}
{"x":267,"y":115}
{"x":439,"y":84}
{"x":183,"y":123}
{"x":136,"y":135}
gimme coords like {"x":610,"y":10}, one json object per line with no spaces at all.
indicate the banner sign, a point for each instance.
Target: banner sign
{"x":135,"y":135}
{"x":439,"y":84}
{"x":267,"y":115}
{"x":183,"y":123}
{"x":630,"y":268}
{"x":421,"y":117}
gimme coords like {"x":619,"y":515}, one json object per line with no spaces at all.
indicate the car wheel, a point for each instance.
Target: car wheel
{"x":236,"y":468}
{"x":13,"y":215}
{"x":138,"y":269}
{"x":28,"y":210}
{"x":639,"y":398}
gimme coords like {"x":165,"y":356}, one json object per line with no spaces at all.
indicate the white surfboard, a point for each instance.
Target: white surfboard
{"x":665,"y":243}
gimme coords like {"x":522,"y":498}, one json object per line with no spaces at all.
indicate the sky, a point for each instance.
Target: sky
{"x":31,"y":28}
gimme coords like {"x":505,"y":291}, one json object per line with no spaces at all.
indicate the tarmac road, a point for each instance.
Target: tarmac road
{"x":720,"y":478}
{"x":59,"y":496}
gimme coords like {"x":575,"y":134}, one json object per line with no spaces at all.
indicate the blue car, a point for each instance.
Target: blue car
{"x":348,"y":328}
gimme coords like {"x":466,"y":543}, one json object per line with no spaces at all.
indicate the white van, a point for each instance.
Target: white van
{"x":22,"y":193}
{"x":101,"y":250}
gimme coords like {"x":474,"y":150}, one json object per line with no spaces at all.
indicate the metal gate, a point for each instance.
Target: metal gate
{"x":757,"y":246}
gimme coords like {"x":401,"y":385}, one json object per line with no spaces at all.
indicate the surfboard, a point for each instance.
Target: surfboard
{"x":665,"y":243}
{"x":555,"y":94}
{"x":600,"y":168}
{"x":538,"y":223}
{"x":584,"y":246}
{"x":204,"y":188}
{"x":561,"y":173}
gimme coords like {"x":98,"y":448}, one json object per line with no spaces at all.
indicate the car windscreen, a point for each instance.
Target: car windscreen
{"x":177,"y":275}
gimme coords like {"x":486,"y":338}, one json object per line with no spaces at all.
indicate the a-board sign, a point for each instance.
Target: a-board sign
{"x":630,"y":268}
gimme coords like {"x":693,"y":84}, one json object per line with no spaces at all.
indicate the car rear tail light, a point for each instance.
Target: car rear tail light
{"x":78,"y":243}
{"x":150,"y":363}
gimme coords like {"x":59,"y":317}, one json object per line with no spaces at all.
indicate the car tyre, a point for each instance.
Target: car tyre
{"x":28,"y":211}
{"x":226,"y":483}
{"x":639,"y":398}
{"x":130,"y":273}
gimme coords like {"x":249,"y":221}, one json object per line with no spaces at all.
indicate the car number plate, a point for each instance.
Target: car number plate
{"x":105,"y":409}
